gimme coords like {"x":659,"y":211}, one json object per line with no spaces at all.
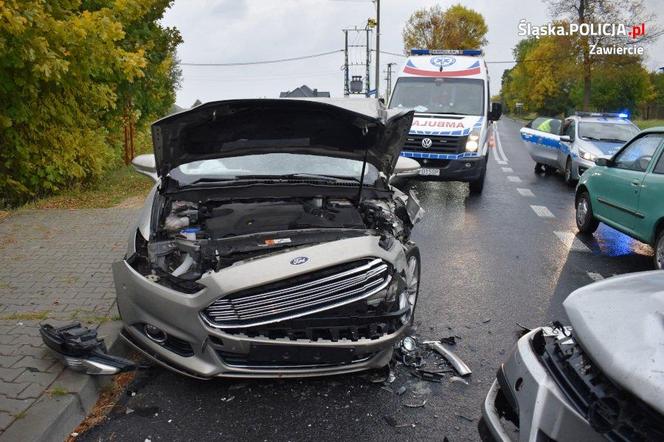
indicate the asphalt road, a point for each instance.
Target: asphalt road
{"x":508,"y":256}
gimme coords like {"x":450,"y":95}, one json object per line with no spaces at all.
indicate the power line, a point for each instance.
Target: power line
{"x":279,"y":60}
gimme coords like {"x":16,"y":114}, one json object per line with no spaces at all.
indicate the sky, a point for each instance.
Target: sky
{"x":229,"y":31}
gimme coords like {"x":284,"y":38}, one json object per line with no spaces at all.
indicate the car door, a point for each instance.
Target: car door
{"x":651,"y":200}
{"x":543,"y":140}
{"x":569,"y":129}
{"x":617,"y":187}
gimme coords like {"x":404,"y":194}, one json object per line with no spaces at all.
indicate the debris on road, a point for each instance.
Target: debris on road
{"x":80,"y":349}
{"x":424,"y":402}
{"x":453,"y":359}
{"x":459,"y":380}
{"x":450,"y":340}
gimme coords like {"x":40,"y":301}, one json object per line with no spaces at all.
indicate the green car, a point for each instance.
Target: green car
{"x":626,"y":192}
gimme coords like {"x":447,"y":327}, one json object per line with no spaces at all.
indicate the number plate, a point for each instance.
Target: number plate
{"x":429,"y":172}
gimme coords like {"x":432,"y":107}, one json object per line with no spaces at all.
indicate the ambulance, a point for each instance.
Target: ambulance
{"x":453,"y":125}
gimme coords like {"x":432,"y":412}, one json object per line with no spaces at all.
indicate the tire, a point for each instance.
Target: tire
{"x":585,"y":219}
{"x":659,"y":250}
{"x":413,"y":271}
{"x":477,"y":186}
{"x":569,"y":180}
{"x":549,"y":170}
{"x":539,"y":167}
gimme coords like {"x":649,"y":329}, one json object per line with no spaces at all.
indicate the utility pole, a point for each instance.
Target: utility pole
{"x":388,"y":90}
{"x":377,"y":79}
{"x":346,"y":67}
{"x":368,"y":74}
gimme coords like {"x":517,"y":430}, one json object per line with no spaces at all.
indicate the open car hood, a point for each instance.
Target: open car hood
{"x":620,"y":325}
{"x":342,"y":128}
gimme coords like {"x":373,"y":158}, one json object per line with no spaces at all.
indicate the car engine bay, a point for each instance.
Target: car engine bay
{"x":192,"y":238}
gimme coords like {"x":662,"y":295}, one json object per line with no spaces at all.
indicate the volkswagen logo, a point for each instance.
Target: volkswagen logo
{"x":299,"y":260}
{"x":427,"y":143}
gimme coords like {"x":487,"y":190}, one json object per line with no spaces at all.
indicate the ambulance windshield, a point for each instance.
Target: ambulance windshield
{"x":456,"y":96}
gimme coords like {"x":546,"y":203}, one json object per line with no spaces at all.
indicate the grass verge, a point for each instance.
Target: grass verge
{"x":645,"y":124}
{"x":113,"y":188}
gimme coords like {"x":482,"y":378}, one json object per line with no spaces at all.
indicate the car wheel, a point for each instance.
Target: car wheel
{"x":549,"y":170}
{"x":659,"y":250}
{"x":585,"y":219}
{"x":538,"y":168}
{"x":569,"y":179}
{"x":477,"y":186}
{"x":412,"y":280}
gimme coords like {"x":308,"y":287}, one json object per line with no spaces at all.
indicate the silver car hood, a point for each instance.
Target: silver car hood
{"x":619,"y":322}
{"x":359,"y":129}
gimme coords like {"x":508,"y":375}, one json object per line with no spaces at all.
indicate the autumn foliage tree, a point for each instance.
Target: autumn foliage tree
{"x":457,"y":27}
{"x":66,"y":66}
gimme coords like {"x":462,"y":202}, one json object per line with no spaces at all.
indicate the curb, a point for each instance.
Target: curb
{"x":53,"y":418}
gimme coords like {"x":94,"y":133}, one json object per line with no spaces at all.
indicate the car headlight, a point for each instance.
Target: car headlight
{"x":473,"y":142}
{"x":390,"y":294}
{"x":587,"y":155}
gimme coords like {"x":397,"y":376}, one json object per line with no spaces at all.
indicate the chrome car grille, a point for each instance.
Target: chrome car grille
{"x":439,"y":144}
{"x":299,"y":296}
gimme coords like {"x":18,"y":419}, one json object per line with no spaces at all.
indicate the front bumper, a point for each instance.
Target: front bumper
{"x":196,"y":349}
{"x":462,"y":169}
{"x":543,"y":411}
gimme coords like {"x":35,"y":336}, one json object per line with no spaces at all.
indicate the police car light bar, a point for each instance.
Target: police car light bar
{"x":602,"y":114}
{"x":468,"y":52}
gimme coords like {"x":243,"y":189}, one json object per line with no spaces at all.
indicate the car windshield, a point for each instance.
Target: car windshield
{"x":273,"y":165}
{"x":460,"y":96}
{"x":616,"y":132}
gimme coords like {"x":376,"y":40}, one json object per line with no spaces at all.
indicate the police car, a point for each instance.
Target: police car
{"x":453,"y":124}
{"x":572,"y":145}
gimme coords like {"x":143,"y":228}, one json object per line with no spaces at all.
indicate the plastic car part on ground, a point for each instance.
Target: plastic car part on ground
{"x":80,"y":349}
{"x":414,"y":353}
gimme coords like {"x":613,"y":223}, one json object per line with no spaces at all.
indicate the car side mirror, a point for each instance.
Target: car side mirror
{"x":406,"y":167}
{"x":566,"y":138}
{"x":496,"y":111}
{"x":146,"y":165}
{"x":604,"y":162}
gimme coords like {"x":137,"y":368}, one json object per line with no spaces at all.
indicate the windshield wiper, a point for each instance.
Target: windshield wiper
{"x":590,"y":138}
{"x":612,"y":140}
{"x":210,"y":180}
{"x":320,"y":177}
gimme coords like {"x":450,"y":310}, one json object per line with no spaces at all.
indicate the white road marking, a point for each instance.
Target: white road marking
{"x":542,"y":211}
{"x":525,"y":192}
{"x":499,"y":148}
{"x":507,"y":169}
{"x":513,"y":179}
{"x":573,"y":243}
{"x":595,"y":276}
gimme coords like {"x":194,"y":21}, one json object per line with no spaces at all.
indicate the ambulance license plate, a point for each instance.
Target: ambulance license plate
{"x":429,"y":172}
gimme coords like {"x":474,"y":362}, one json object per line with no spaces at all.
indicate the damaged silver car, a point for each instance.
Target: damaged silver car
{"x":602,"y":378}
{"x":272,"y":244}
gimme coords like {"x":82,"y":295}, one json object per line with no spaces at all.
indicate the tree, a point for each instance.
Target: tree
{"x":596,"y":12}
{"x":457,"y":27}
{"x":65,"y":66}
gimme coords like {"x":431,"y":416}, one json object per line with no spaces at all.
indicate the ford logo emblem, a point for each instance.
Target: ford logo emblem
{"x":299,"y":260}
{"x":427,"y":143}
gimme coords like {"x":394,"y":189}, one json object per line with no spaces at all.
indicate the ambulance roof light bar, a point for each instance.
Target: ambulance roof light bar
{"x":467,"y":52}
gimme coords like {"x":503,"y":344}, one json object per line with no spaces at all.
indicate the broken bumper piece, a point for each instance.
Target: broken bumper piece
{"x":80,"y":349}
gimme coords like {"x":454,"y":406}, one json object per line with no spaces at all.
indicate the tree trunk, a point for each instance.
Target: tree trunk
{"x":586,"y":76}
